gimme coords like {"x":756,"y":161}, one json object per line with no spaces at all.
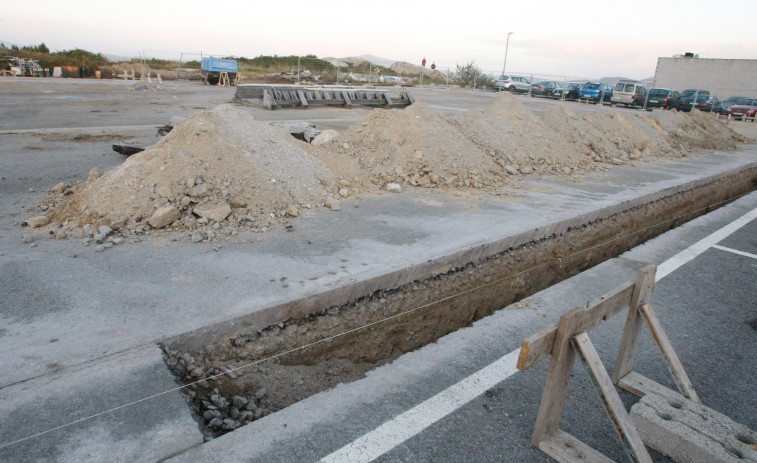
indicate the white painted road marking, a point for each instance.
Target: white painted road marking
{"x":401,"y":428}
{"x":735,"y":251}
{"x":701,"y":246}
{"x":406,"y":425}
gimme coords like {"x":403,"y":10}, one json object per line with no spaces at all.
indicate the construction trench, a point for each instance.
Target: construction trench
{"x":243,"y":369}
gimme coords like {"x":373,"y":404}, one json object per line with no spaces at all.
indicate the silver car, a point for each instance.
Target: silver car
{"x":512,"y":84}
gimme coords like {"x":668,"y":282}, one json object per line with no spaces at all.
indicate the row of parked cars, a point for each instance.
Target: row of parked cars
{"x":739,"y":107}
{"x":632,"y":94}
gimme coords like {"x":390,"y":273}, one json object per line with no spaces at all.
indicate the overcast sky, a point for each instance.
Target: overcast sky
{"x":575,"y":39}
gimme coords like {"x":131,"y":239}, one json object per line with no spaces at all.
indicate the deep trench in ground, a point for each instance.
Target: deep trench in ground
{"x":247,"y":373}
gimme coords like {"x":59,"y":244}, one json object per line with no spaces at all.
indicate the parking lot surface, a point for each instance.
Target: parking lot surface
{"x":84,"y":380}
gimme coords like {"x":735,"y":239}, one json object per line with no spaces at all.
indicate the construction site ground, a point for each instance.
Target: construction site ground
{"x":84,"y":377}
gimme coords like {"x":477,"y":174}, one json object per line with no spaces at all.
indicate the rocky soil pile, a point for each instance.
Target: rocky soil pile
{"x":697,"y":129}
{"x":610,"y":138}
{"x":216,"y":172}
{"x":416,"y":146}
{"x":221,"y":171}
{"x":517,"y":140}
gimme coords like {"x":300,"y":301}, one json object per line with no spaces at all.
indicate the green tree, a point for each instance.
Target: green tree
{"x":41,"y":48}
{"x":471,"y":75}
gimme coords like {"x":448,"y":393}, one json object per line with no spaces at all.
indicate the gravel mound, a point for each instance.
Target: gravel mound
{"x":216,"y":169}
{"x":221,"y":171}
{"x":416,"y":146}
{"x":519,"y":141}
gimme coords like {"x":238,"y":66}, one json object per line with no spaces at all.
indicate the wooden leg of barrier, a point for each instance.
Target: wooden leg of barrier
{"x":556,"y":384}
{"x":642,"y":293}
{"x":614,"y":407}
{"x":565,"y":448}
{"x":671,"y":358}
{"x":223,"y":80}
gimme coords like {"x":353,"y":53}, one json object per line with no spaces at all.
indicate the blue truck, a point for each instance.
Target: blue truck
{"x":213,"y":67}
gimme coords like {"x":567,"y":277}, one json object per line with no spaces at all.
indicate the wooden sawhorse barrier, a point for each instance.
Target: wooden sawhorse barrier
{"x":223,"y":80}
{"x":570,"y":337}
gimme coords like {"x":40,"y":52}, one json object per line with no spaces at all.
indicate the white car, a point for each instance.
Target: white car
{"x":512,"y":84}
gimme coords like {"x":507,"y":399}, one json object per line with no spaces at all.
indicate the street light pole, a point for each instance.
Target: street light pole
{"x":507,"y":45}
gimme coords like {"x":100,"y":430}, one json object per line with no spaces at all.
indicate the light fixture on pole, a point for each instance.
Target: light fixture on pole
{"x":507,"y":45}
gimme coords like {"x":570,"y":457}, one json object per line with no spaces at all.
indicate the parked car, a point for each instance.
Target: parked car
{"x":629,"y":93}
{"x":688,"y":95}
{"x":545,"y":88}
{"x":690,"y":92}
{"x":734,"y":100}
{"x":709,"y":104}
{"x":595,"y":92}
{"x":570,"y":91}
{"x":512,"y":84}
{"x":665,"y":98}
{"x":743,"y":111}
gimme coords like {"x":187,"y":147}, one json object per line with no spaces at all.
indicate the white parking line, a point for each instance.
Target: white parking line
{"x":406,"y":425}
{"x":702,"y":245}
{"x":735,"y":251}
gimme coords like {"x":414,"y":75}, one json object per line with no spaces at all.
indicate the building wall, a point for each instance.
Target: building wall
{"x":722,"y":77}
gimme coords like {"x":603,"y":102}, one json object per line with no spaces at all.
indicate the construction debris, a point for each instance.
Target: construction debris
{"x":284,"y":96}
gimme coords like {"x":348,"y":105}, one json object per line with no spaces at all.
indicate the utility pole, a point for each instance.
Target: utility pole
{"x":507,"y":45}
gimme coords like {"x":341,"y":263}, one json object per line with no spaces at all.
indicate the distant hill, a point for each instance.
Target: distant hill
{"x":356,"y":60}
{"x":379,"y":61}
{"x":335,"y":61}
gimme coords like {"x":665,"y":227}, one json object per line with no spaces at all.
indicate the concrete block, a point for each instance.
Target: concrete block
{"x":688,"y":432}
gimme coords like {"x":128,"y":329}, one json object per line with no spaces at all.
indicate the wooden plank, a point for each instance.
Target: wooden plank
{"x":535,"y":348}
{"x":607,"y":307}
{"x":303,"y":99}
{"x":558,"y":376}
{"x":671,"y":358}
{"x":614,"y":407}
{"x":565,"y":448}
{"x":640,"y":385}
{"x":629,"y":342}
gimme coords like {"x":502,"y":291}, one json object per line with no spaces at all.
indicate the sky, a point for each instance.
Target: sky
{"x":556,"y":39}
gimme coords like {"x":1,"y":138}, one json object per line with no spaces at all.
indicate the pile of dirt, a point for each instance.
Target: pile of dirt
{"x":697,"y":130}
{"x":416,"y":146}
{"x":217,"y":169}
{"x":601,"y":138}
{"x":221,"y":171}
{"x":518,"y":140}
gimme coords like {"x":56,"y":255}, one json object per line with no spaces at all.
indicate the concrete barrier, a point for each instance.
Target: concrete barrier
{"x":689,"y":432}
